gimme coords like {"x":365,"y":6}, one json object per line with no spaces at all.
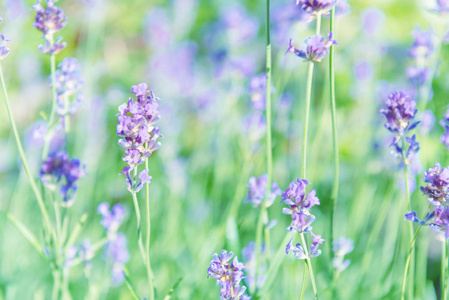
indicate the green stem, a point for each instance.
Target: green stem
{"x":309,"y":265}
{"x":407,"y":262}
{"x":306,"y":125}
{"x":263,"y":210}
{"x":334,"y":194}
{"x":138,"y":219}
{"x":443,"y":271}
{"x":38,"y":195}
{"x":304,"y":283}
{"x":51,"y":120}
{"x":56,"y":285}
{"x":147,"y":244}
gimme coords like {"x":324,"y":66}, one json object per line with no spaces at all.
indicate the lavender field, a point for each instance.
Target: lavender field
{"x":240,"y":149}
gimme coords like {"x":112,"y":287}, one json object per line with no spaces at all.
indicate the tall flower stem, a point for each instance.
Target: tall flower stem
{"x":147,"y":242}
{"x":51,"y":120}
{"x":334,"y":194}
{"x":443,"y":271}
{"x":304,"y":283}
{"x":34,"y":187}
{"x":308,"y":264}
{"x":138,"y":220}
{"x":263,"y":209}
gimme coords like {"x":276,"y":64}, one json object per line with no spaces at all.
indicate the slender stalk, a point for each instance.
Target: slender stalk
{"x":263,"y":210}
{"x":56,"y":285}
{"x":446,"y":278}
{"x":443,"y":271}
{"x":304,"y":283}
{"x":334,"y":194}
{"x":407,"y":262}
{"x":306,"y":125}
{"x":51,"y":120}
{"x":147,"y":242}
{"x":38,"y":195}
{"x":309,"y":265}
{"x":139,"y":232}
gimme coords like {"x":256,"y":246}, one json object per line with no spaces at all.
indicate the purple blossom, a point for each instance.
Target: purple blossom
{"x":228,"y":274}
{"x":399,"y":112}
{"x":4,"y":51}
{"x":68,"y":83}
{"x":111,"y":218}
{"x":445,"y":136}
{"x":440,"y":222}
{"x":418,"y":76}
{"x":316,"y":8}
{"x":58,"y":171}
{"x":372,"y":20}
{"x":427,"y":121}
{"x":249,"y":256}
{"x":297,"y":200}
{"x":423,"y":45}
{"x":342,"y":8}
{"x":257,"y":90}
{"x":364,"y":70}
{"x":412,"y":150}
{"x":50,"y":20}
{"x":116,"y":252}
{"x":257,"y":190}
{"x":299,"y":252}
{"x":341,"y":247}
{"x":317,"y":48}
{"x":437,"y":189}
{"x":255,"y":126}
{"x":442,"y":6}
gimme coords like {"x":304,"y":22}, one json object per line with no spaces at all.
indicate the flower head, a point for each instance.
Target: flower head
{"x":418,"y":76}
{"x":341,"y":247}
{"x":317,"y":48}
{"x":257,"y":190}
{"x":257,"y":90}
{"x":228,"y":274}
{"x":4,"y":51}
{"x":58,"y":171}
{"x":445,"y":136}
{"x":116,"y":252}
{"x":423,"y":45}
{"x":316,"y":7}
{"x":437,"y":189}
{"x":295,"y":197}
{"x":440,"y":222}
{"x":442,"y":7}
{"x":399,"y":112}
{"x":111,"y":218}
{"x":68,"y":83}
{"x":299,"y":251}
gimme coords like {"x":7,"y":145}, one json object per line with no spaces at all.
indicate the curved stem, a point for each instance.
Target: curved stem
{"x":51,"y":120}
{"x":147,"y":243}
{"x":38,"y":195}
{"x":309,"y":265}
{"x":304,"y":282}
{"x":407,"y":262}
{"x":138,"y":219}
{"x":306,"y":125}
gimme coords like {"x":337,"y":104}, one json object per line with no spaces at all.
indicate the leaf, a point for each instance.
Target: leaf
{"x":130,"y":285}
{"x":172,"y":290}
{"x":43,"y":115}
{"x":27,"y":234}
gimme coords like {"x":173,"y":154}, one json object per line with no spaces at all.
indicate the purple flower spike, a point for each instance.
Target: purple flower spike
{"x":316,"y":7}
{"x":437,"y":189}
{"x":50,"y":20}
{"x":116,"y":251}
{"x":257,"y":89}
{"x":299,"y":252}
{"x":412,"y":217}
{"x":341,"y":247}
{"x":4,"y":51}
{"x":257,"y":189}
{"x":445,"y":136}
{"x":68,"y":84}
{"x":440,"y":222}
{"x":228,"y":274}
{"x":423,"y":45}
{"x":111,"y":219}
{"x":399,"y":112}
{"x":317,"y":48}
{"x":418,"y":76}
{"x":295,"y":197}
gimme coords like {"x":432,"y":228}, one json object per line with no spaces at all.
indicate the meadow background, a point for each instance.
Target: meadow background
{"x":198,"y":56}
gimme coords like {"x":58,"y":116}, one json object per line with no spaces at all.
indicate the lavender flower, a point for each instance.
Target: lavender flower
{"x":440,"y":222}
{"x":372,"y":20}
{"x":68,"y":83}
{"x":316,"y":8}
{"x":342,"y":8}
{"x":116,"y":252}
{"x":50,"y":20}
{"x":442,"y":7}
{"x":228,"y":275}
{"x":412,"y":150}
{"x":257,"y":89}
{"x":257,"y":189}
{"x":445,"y":136}
{"x":317,"y":48}
{"x":295,"y":197}
{"x":437,"y":189}
{"x":399,"y":112}
{"x":249,"y":256}
{"x":111,"y":218}
{"x":4,"y":51}
{"x":423,"y":45}
{"x":341,"y":247}
{"x":427,"y":121}
{"x":58,"y":171}
{"x":299,"y":252}
{"x":136,"y":124}
{"x":418,"y":76}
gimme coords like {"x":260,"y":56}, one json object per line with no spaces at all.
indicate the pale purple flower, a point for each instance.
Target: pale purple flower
{"x":423,"y":45}
{"x":372,"y":20}
{"x":228,"y":275}
{"x":68,"y":83}
{"x":249,"y":256}
{"x":257,"y":91}
{"x":116,"y":252}
{"x":4,"y":51}
{"x":111,"y":218}
{"x":240,"y":25}
{"x":341,"y":247}
{"x":364,"y":70}
{"x":427,"y":121}
{"x":437,"y":189}
{"x":342,"y":8}
{"x":445,"y":136}
{"x":257,"y":187}
{"x":316,"y":7}
{"x":58,"y":171}
{"x":297,"y":200}
{"x":410,"y":153}
{"x":317,"y":48}
{"x":418,"y":76}
{"x":440,"y":222}
{"x":442,"y":6}
{"x":399,"y":112}
{"x":299,"y":252}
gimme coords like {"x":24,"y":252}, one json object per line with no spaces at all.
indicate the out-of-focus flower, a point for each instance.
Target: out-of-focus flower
{"x":341,"y":247}
{"x":440,"y":222}
{"x":298,"y":249}
{"x":68,"y":83}
{"x":445,"y":136}
{"x":442,"y":6}
{"x":372,"y":20}
{"x":423,"y":45}
{"x":316,"y":8}
{"x":364,"y":70}
{"x":398,"y":152}
{"x":427,"y":121}
{"x":111,"y":218}
{"x":240,"y":26}
{"x":58,"y":171}
{"x":257,"y":90}
{"x":116,"y":252}
{"x":418,"y":76}
{"x":437,"y":189}
{"x":399,"y":112}
{"x":317,"y":48}
{"x":257,"y":190}
{"x":342,"y":8}
{"x":228,"y":274}
{"x":4,"y":51}
{"x":50,"y":20}
{"x":249,"y":256}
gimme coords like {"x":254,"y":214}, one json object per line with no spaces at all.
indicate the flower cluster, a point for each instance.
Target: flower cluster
{"x":317,"y":48}
{"x":399,"y":112}
{"x":423,"y":45}
{"x":257,"y":190}
{"x":116,"y":251}
{"x":50,"y":20}
{"x":68,"y":83}
{"x":316,"y":8}
{"x":4,"y":51}
{"x":442,"y":7}
{"x":300,"y":203}
{"x":58,"y":171}
{"x":84,"y":251}
{"x":445,"y":136}
{"x":229,"y":275}
{"x":418,"y":75}
{"x":257,"y":89}
{"x":136,"y":124}
{"x":341,"y":247}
